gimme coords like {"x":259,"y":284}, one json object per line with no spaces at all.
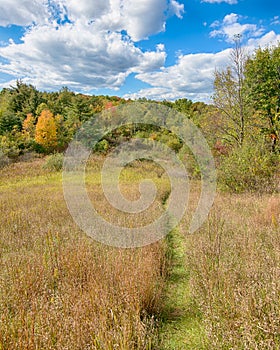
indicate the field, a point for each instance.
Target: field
{"x":59,"y":289}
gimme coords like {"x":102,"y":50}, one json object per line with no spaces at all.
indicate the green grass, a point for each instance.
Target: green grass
{"x":181,"y":326}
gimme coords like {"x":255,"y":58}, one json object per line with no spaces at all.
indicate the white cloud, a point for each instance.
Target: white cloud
{"x":90,"y":9}
{"x":90,"y":50}
{"x":192,"y":77}
{"x":230,"y":27}
{"x":77,"y":56}
{"x":275,"y":20}
{"x":139,"y":19}
{"x":269,"y":39}
{"x":22,"y":12}
{"x":230,"y":2}
{"x":176,"y":9}
{"x":162,"y":93}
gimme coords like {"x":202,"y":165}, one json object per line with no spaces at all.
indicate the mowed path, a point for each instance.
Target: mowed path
{"x":182,"y":325}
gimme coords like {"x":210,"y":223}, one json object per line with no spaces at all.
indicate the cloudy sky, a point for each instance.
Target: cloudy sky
{"x":159,"y":49}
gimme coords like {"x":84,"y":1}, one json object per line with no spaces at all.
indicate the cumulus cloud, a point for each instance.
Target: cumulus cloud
{"x":230,"y":2}
{"x":83,"y":8}
{"x":92,"y":44}
{"x":230,"y":26}
{"x":161,"y":93}
{"x":176,"y":9}
{"x":267,"y":40}
{"x":22,"y":13}
{"x":78,"y":57}
{"x":192,"y":76}
{"x":84,"y":44}
{"x":141,"y":20}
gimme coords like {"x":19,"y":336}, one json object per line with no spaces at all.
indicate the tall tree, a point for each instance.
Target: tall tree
{"x":229,"y":95}
{"x":24,"y":99}
{"x":262,"y":73}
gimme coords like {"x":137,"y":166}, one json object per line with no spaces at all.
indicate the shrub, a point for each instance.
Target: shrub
{"x":54,"y":162}
{"x":249,"y":168}
{"x":102,"y":146}
{"x":12,"y":144}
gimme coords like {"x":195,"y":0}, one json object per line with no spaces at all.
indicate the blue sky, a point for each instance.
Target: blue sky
{"x":159,"y":49}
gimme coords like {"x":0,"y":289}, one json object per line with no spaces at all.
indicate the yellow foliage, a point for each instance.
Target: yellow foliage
{"x":46,"y":130}
{"x":29,"y":125}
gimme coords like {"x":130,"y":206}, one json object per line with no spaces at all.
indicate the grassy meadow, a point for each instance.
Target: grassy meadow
{"x":234,"y":264}
{"x":59,"y":289}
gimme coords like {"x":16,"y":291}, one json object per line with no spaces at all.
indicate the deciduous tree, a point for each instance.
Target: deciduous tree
{"x":230,"y":96}
{"x":46,"y":131}
{"x":262,"y":73}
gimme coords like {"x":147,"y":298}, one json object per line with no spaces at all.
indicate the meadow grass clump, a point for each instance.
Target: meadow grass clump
{"x":59,"y":289}
{"x":54,"y":162}
{"x":4,"y":160}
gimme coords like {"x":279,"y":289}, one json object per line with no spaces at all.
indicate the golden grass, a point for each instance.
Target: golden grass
{"x":234,"y":263}
{"x":60,"y":289}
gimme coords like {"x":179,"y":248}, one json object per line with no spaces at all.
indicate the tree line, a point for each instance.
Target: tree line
{"x":241,"y":124}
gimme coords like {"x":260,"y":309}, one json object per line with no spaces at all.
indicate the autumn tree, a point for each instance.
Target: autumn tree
{"x":28,"y":125}
{"x":46,"y":131}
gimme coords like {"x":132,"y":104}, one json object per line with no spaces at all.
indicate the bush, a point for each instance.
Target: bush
{"x":249,"y":168}
{"x":102,"y":146}
{"x":12,"y":144}
{"x":54,"y":162}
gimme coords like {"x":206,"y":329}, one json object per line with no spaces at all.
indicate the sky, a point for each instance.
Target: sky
{"x":158,"y":49}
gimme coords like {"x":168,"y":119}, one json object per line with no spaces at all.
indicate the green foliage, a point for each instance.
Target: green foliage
{"x":8,"y":121}
{"x":24,"y":99}
{"x":54,"y":162}
{"x":12,"y":144}
{"x":102,"y":146}
{"x":262,"y":73}
{"x":249,"y":168}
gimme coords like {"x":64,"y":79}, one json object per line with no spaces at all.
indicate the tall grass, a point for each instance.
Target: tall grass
{"x":60,"y":289}
{"x":234,"y":263}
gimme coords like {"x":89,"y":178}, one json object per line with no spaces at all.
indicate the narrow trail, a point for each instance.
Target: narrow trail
{"x":181,"y":322}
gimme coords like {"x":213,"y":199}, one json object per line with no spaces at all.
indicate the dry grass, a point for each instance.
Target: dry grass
{"x":235,"y":272}
{"x":58,"y":288}
{"x":61,"y":290}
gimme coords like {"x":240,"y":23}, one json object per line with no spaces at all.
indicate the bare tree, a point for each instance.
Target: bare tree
{"x":229,"y":95}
